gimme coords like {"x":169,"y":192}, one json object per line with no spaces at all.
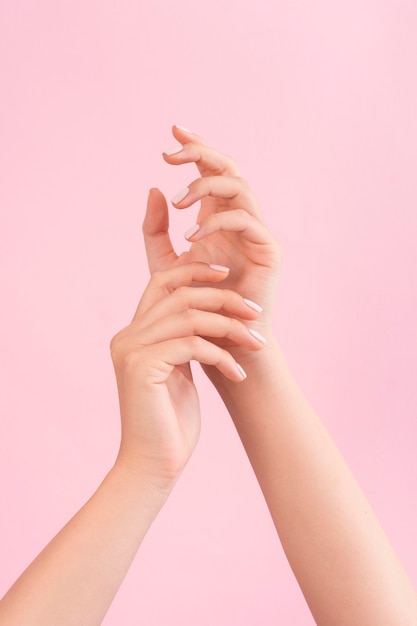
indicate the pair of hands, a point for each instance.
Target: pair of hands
{"x":212,"y":304}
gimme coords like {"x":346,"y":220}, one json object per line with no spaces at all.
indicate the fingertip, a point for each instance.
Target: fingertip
{"x":180,"y":196}
{"x":217,"y":273}
{"x":241,"y":372}
{"x":184,"y":135}
{"x":219,"y":268}
{"x":182,"y":129}
{"x":156,"y":214}
{"x":155,"y":192}
{"x":189,"y":234}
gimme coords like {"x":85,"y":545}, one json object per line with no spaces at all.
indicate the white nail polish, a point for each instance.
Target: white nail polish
{"x":219,"y":268}
{"x":185,"y":130}
{"x":191,"y":231}
{"x":253,"y":305}
{"x":180,"y":195}
{"x":257,"y":335}
{"x":174,"y":150}
{"x":241,"y":371}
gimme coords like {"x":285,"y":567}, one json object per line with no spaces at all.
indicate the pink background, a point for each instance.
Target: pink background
{"x":317,"y":100}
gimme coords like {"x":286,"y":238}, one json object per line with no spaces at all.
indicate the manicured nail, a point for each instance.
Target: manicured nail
{"x":185,"y":130}
{"x":257,"y":335}
{"x":191,"y":231}
{"x":253,"y":305}
{"x":180,"y":195}
{"x":241,"y":371}
{"x":174,"y":150}
{"x":219,"y":268}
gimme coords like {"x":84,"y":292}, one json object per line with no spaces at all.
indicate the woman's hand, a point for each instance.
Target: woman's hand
{"x":174,"y":323}
{"x":229,"y":231}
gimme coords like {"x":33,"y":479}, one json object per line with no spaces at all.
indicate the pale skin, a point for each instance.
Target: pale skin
{"x":201,"y":306}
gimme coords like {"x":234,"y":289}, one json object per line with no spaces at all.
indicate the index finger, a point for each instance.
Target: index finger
{"x":210,"y":162}
{"x":166,"y":281}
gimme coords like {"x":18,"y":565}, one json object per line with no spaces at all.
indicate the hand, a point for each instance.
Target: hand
{"x":173,"y":324}
{"x":231,"y":229}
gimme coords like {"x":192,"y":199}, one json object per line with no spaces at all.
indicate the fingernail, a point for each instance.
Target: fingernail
{"x":241,"y":371}
{"x":185,"y":130}
{"x":180,"y":195}
{"x":257,"y":335}
{"x":218,"y":268}
{"x":253,"y":305}
{"x":191,"y":231}
{"x":174,"y":150}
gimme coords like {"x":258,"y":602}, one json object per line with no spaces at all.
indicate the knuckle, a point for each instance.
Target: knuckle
{"x":133,"y":359}
{"x":115,"y":347}
{"x":191,"y":320}
{"x":242,"y":215}
{"x":234,"y":325}
{"x":158,"y":278}
{"x":225,"y":295}
{"x":130,"y":360}
{"x":242,"y":181}
{"x":125,"y":356}
{"x":182,"y":292}
{"x":195,"y":342}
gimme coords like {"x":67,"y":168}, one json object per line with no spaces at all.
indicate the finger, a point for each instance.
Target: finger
{"x":198,"y":323}
{"x":159,"y":249}
{"x":202,"y":299}
{"x":184,"y":135}
{"x":210,"y":162}
{"x":166,"y":355}
{"x":232,"y":189}
{"x":236,"y":221}
{"x":165,"y":282}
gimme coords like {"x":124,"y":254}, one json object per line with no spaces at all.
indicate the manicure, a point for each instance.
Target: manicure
{"x":253,"y":305}
{"x":241,"y":371}
{"x":180,"y":195}
{"x":191,"y":231}
{"x":174,"y":150}
{"x":257,"y":335}
{"x":184,"y":130}
{"x":218,"y":268}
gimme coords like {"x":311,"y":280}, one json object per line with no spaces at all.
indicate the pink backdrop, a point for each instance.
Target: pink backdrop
{"x":318,"y":102}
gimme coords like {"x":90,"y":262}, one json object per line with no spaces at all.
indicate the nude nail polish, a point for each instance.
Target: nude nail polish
{"x":257,"y":335}
{"x":241,"y":371}
{"x":253,"y":305}
{"x":219,"y":268}
{"x":185,"y":130}
{"x":174,"y":150}
{"x":191,"y":231}
{"x":180,"y":195}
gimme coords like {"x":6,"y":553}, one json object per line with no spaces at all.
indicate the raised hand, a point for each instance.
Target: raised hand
{"x":174,"y":323}
{"x":229,"y":231}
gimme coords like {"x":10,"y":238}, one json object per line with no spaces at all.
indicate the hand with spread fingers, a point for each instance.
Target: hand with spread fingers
{"x":333,"y":541}
{"x":229,"y":230}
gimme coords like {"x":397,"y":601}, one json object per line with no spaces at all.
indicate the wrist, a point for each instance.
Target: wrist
{"x":137,"y":480}
{"x":255,"y":364}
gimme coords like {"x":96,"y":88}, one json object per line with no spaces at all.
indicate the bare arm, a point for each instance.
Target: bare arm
{"x":342,"y":559}
{"x":74,"y":579}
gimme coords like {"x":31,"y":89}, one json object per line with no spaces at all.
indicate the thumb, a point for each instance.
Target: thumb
{"x":159,"y":250}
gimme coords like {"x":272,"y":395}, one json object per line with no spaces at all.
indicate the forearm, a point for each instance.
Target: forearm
{"x":344,"y":564}
{"x":75,"y":578}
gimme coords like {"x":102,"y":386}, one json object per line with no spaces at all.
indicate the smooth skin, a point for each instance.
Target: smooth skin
{"x":74,"y":580}
{"x":345,"y":565}
{"x":205,"y":304}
